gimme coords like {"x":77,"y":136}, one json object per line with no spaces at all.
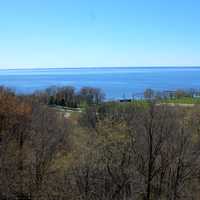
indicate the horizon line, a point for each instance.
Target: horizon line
{"x":103,"y":67}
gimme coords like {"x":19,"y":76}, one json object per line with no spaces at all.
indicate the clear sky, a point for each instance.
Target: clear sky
{"x":99,"y":33}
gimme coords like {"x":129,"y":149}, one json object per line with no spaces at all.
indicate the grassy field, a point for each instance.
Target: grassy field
{"x":73,"y":113}
{"x":185,"y":100}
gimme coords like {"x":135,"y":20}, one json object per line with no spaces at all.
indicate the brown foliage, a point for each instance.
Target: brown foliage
{"x":115,"y":151}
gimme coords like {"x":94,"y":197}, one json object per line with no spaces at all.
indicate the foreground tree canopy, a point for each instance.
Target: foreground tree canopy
{"x":110,"y":151}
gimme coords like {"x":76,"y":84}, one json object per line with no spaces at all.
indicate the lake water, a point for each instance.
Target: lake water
{"x":115,"y":82}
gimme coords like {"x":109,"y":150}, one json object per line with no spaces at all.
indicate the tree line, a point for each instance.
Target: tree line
{"x":68,"y":96}
{"x":176,"y":94}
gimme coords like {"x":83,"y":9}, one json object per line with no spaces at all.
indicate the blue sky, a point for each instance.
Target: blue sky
{"x":99,"y":33}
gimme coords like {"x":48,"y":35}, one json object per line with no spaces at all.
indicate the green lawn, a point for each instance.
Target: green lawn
{"x":185,"y":100}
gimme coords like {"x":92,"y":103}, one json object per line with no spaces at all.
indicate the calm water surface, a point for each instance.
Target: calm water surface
{"x":115,"y":82}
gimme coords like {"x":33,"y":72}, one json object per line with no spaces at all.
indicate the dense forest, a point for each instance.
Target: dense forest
{"x":109,"y":151}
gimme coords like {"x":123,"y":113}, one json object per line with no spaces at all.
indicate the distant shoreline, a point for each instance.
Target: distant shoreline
{"x":116,"y":82}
